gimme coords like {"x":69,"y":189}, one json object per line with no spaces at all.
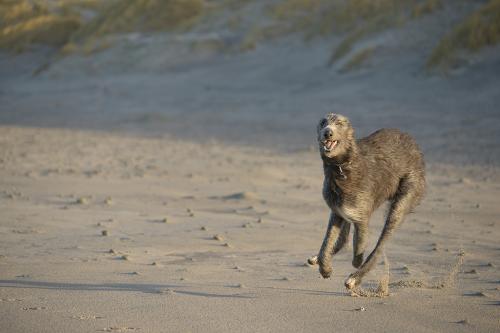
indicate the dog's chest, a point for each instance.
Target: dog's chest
{"x":338,"y":202}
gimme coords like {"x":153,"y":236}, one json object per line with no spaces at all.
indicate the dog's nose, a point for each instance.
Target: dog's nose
{"x":328,"y":133}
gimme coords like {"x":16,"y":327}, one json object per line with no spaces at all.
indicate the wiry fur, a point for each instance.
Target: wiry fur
{"x":360,"y":175}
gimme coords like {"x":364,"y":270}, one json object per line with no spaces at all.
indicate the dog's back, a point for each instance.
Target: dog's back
{"x":394,"y":156}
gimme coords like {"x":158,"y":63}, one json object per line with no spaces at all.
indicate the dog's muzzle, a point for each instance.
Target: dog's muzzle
{"x":329,"y":145}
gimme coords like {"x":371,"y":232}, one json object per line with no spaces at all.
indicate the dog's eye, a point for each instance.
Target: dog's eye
{"x":323,"y":122}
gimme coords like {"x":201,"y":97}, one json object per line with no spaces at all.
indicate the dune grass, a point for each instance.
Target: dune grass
{"x":425,"y":8}
{"x":346,"y":45}
{"x":12,"y":12}
{"x":323,"y":17}
{"x":67,"y":25}
{"x":355,"y":19}
{"x":358,"y":60}
{"x":480,"y":29}
{"x":60,"y":23}
{"x":143,"y":16}
{"x":259,"y":34}
{"x":125,"y":16}
{"x":72,"y":6}
{"x":26,"y":23}
{"x":319,"y":18}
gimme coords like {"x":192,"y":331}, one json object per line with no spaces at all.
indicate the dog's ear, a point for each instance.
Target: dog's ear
{"x":342,"y":121}
{"x":331,"y":117}
{"x":345,"y":123}
{"x":322,"y":123}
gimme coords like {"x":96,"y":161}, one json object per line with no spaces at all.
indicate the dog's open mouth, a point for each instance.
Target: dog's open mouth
{"x":329,"y":145}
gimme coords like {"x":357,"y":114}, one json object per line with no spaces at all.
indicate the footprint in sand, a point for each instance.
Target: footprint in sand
{"x":26,"y":231}
{"x":476,"y":294}
{"x":218,"y":237}
{"x":86,"y":317}
{"x":23,"y":276}
{"x":406,"y":270}
{"x":239,"y":285}
{"x":34,"y":308}
{"x":245,"y":195}
{"x":83,"y":201}
{"x":472,"y":271}
{"x":10,"y":300}
{"x":118,"y":329}
{"x":166,"y":291}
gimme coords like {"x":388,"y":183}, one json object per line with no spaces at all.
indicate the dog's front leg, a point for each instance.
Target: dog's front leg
{"x":359,"y":243}
{"x":339,"y":244}
{"x":325,"y":254}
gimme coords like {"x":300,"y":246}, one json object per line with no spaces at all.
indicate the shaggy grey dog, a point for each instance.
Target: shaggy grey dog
{"x":360,"y":175}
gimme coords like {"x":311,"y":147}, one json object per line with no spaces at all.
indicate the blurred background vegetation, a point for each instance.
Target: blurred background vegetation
{"x":88,"y":26}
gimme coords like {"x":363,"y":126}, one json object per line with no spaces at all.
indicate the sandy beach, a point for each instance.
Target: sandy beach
{"x":115,"y":233}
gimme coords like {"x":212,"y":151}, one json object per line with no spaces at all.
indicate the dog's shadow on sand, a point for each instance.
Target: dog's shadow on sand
{"x":169,"y":289}
{"x":132,"y":287}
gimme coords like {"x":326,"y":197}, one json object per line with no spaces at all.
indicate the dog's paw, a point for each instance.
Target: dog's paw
{"x":351,"y":282}
{"x":312,"y":260}
{"x":325,"y":272}
{"x":357,"y":260}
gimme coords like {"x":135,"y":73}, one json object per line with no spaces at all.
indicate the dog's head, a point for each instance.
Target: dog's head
{"x":335,"y":135}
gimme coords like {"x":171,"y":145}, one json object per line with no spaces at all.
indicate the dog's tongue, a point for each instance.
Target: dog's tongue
{"x":330,"y":144}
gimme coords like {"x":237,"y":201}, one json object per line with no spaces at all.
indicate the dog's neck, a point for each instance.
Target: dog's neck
{"x":340,"y":167}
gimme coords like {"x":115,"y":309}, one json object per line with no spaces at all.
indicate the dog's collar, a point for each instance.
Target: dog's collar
{"x":340,"y":171}
{"x":339,"y":168}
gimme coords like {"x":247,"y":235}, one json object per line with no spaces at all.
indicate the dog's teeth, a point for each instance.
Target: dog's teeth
{"x":329,"y":145}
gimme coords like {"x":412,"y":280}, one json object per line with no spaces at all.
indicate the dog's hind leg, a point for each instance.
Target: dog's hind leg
{"x":405,"y":200}
{"x":339,"y":244}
